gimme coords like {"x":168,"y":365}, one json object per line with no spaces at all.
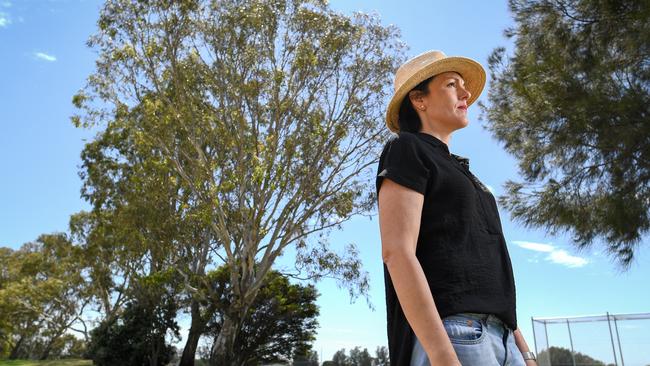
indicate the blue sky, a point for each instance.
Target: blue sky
{"x":44,"y":61}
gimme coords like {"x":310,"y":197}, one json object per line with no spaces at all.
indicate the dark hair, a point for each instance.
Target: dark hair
{"x":408,"y":119}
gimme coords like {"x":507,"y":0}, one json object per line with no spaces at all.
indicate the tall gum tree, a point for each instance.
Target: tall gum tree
{"x":266,"y":115}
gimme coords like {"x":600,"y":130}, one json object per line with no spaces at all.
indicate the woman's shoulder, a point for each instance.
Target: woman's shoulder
{"x":406,"y":136}
{"x":407,"y":141}
{"x":403,"y":139}
{"x":405,"y":147}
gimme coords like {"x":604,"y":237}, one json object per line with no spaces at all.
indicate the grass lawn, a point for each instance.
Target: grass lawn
{"x":46,"y":363}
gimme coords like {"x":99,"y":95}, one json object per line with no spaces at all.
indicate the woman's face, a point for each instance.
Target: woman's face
{"x":444,"y":108}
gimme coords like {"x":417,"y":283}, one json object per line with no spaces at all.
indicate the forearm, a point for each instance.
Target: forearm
{"x":419,"y":308}
{"x":522,"y":345}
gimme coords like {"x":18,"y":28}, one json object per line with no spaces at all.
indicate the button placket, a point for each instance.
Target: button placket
{"x":462,"y":164}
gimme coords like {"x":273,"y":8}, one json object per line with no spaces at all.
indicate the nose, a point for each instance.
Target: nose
{"x":465,"y":94}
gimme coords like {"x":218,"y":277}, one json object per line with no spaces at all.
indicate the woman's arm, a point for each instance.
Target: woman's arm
{"x":400,"y":210}
{"x":523,"y":346}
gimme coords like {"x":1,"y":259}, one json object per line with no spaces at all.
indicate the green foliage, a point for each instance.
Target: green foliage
{"x":305,"y":358}
{"x":340,"y":358}
{"x":572,"y":105}
{"x":137,"y":337}
{"x":358,"y":357}
{"x":280,"y":324}
{"x":71,"y":346}
{"x":41,"y":297}
{"x":558,"y":356}
{"x":381,"y":356}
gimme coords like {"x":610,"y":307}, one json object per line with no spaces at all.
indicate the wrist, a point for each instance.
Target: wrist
{"x":528,"y":356}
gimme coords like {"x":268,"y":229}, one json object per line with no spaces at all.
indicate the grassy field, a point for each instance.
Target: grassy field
{"x":46,"y":363}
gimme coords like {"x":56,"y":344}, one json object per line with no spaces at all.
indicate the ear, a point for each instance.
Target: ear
{"x":416,"y":97}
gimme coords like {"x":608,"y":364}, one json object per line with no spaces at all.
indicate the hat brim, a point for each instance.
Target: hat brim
{"x":472,"y":72}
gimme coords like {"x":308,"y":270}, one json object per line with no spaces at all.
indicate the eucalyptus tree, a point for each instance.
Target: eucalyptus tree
{"x":572,"y":104}
{"x":265,"y":116}
{"x":42,"y":296}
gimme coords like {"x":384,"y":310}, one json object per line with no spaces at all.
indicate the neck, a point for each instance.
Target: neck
{"x":440,"y":135}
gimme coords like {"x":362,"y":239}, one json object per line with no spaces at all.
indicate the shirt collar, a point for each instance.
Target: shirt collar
{"x":462,"y":160}
{"x":437,"y":142}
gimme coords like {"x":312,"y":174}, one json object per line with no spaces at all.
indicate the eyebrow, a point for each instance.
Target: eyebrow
{"x":456,"y":78}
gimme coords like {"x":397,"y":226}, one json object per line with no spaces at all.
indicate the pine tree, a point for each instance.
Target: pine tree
{"x":572,"y":105}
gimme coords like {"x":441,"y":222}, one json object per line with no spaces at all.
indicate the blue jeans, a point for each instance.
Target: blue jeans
{"x":478,"y":339}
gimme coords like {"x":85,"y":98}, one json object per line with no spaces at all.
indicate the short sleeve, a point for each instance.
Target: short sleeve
{"x":403,"y":162}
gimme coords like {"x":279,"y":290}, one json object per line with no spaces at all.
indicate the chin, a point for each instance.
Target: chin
{"x":461,"y":124}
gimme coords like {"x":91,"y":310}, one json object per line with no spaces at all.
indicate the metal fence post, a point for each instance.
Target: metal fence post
{"x":611,"y":337}
{"x":573,"y":354}
{"x":532,"y":322}
{"x":618,"y":339}
{"x":548,"y":345}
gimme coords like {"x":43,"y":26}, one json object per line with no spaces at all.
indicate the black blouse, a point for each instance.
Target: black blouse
{"x":460,"y":245}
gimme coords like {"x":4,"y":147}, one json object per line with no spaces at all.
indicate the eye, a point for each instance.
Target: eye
{"x":453,"y":83}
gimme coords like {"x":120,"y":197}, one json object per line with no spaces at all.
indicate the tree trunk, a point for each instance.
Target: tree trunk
{"x":46,"y":352}
{"x":15,"y":352}
{"x":196,"y":330}
{"x":222,"y":350}
{"x":153,"y":356}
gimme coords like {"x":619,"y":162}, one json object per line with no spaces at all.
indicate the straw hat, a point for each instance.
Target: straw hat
{"x":426,"y":65}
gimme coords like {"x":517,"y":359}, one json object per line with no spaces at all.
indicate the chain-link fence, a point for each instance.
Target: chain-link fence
{"x":598,"y":340}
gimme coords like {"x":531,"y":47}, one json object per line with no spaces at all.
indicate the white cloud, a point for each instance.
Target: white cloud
{"x":562,"y":257}
{"x":4,"y":20}
{"x":534,"y":246}
{"x":45,"y":57}
{"x":555,"y":255}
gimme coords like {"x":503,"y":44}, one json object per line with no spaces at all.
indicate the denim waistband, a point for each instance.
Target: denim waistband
{"x":488,"y":318}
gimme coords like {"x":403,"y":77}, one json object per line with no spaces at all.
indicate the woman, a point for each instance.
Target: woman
{"x":450,"y":291}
